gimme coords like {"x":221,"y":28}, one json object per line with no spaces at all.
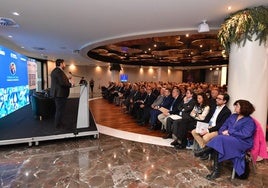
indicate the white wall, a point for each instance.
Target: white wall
{"x":102,"y":74}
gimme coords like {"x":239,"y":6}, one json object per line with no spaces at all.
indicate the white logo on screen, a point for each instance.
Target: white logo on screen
{"x":12,"y":68}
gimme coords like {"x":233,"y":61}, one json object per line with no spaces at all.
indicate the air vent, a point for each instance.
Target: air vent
{"x":76,"y":51}
{"x":8,"y":22}
{"x":39,"y":48}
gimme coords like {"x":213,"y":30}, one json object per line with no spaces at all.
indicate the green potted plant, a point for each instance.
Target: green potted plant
{"x":243,"y":25}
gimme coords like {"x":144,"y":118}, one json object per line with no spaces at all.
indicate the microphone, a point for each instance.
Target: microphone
{"x":75,"y":75}
{"x":82,"y":81}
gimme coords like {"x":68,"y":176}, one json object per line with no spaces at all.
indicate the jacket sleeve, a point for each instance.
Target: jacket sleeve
{"x":226,"y":124}
{"x":200,"y":117}
{"x":63,"y":79}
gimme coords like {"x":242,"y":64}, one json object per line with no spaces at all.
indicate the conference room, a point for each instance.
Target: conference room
{"x":108,"y":49}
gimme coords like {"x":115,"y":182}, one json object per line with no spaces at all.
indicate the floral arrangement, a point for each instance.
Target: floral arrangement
{"x":243,"y":25}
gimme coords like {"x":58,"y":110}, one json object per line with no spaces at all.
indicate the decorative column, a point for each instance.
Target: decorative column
{"x":114,"y":76}
{"x":248,"y":77}
{"x":159,"y":71}
{"x":115,"y":70}
{"x":244,"y":34}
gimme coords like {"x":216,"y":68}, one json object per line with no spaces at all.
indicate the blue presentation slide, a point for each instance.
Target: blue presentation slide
{"x":14,"y":89}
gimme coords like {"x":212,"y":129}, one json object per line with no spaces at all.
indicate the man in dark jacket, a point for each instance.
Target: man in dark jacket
{"x":60,"y":90}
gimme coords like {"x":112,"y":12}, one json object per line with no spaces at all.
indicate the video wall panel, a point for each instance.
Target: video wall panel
{"x":14,"y":88}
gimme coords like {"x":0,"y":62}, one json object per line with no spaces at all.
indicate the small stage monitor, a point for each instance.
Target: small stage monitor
{"x":123,"y":78}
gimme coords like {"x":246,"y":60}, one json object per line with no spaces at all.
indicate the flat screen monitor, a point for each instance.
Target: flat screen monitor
{"x":14,"y":88}
{"x":123,"y":78}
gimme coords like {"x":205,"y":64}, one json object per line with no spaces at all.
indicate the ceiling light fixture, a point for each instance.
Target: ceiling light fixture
{"x":203,"y":27}
{"x":15,"y":13}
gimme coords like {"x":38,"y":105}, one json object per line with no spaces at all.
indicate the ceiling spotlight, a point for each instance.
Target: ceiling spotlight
{"x":203,"y":27}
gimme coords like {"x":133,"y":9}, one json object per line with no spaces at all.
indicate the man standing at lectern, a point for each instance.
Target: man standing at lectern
{"x":60,"y":90}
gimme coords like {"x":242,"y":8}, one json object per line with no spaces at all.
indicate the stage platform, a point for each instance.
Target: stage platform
{"x":22,"y":126}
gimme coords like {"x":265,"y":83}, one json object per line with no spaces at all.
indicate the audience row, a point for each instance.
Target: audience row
{"x":177,"y":109}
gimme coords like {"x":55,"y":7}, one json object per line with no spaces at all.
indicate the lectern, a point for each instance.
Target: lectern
{"x":83,"y":108}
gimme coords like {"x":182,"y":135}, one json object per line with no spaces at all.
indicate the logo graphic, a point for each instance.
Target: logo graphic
{"x":12,"y":68}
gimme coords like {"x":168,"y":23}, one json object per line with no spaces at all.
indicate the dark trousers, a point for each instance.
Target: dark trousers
{"x":60,"y":103}
{"x":172,"y":126}
{"x":146,"y":114}
{"x":183,"y":127}
{"x":153,"y":116}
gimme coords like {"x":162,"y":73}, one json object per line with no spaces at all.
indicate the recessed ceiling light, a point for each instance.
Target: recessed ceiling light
{"x":229,"y":8}
{"x":15,"y":13}
{"x":22,"y":46}
{"x":9,"y":36}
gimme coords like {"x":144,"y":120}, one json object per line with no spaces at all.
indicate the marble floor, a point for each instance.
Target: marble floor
{"x":116,"y":159}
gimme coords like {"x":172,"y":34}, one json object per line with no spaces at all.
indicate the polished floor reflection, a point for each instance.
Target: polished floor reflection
{"x":111,"y":162}
{"x":124,"y":155}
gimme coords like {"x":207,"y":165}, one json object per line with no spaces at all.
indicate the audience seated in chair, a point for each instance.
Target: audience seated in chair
{"x":143,"y":111}
{"x":234,"y":140}
{"x":198,"y":113}
{"x":216,"y":117}
{"x":166,"y":103}
{"x":184,"y":109}
{"x":173,"y":109}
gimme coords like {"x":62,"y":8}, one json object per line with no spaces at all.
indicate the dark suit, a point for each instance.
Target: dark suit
{"x":174,"y":107}
{"x":137,"y":102}
{"x":60,"y":90}
{"x":222,"y":116}
{"x":144,"y":113}
{"x":184,"y":110}
{"x":166,"y":103}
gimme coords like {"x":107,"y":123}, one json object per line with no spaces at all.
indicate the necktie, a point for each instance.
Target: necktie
{"x":172,"y":104}
{"x":147,"y":96}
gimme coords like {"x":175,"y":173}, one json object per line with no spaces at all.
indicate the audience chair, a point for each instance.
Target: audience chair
{"x":259,"y":148}
{"x":249,"y":158}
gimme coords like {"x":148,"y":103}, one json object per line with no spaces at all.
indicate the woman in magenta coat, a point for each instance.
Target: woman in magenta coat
{"x":234,"y":140}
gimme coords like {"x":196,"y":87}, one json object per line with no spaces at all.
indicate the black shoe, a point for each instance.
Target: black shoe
{"x":174,"y":143}
{"x":180,"y":146}
{"x":215,"y":174}
{"x":202,"y":151}
{"x":141,"y":123}
{"x":151,"y":127}
{"x":204,"y":157}
{"x":167,"y":136}
{"x":139,"y":120}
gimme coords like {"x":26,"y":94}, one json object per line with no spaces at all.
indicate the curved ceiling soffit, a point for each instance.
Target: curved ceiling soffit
{"x":140,"y":36}
{"x":105,"y":41}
